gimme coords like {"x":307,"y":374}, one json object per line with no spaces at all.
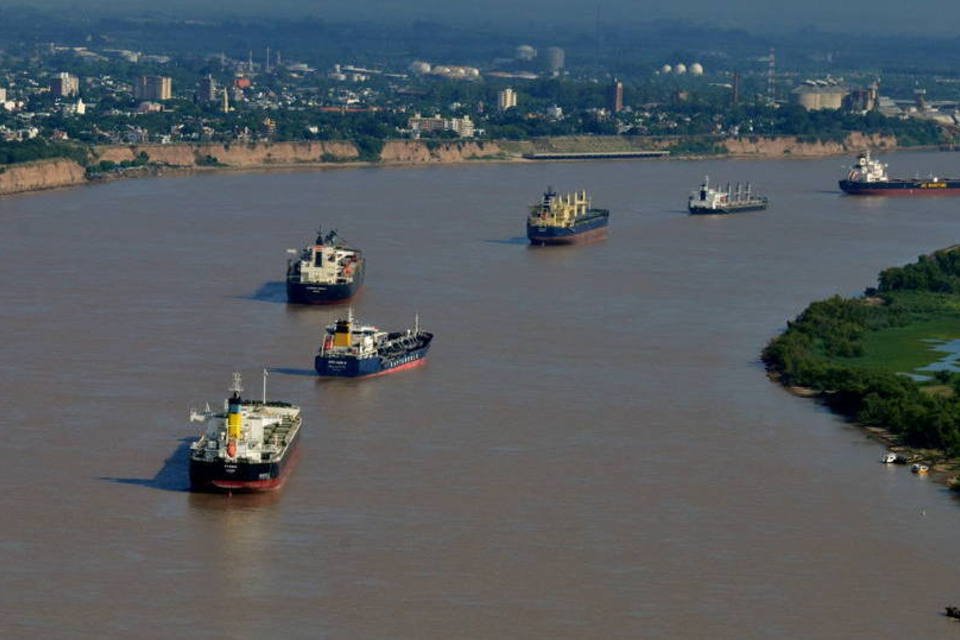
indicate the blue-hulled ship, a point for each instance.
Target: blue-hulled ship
{"x":326,"y":272}
{"x":565,"y":219}
{"x":868,"y":177}
{"x":350,"y":351}
{"x":248,"y":446}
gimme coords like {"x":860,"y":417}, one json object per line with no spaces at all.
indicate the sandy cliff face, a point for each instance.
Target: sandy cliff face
{"x":240,"y":155}
{"x":419,"y":151}
{"x":43,"y":174}
{"x":789,"y":146}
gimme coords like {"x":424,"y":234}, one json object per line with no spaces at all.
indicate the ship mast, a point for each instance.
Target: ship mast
{"x":237,"y":385}
{"x":265,"y":374}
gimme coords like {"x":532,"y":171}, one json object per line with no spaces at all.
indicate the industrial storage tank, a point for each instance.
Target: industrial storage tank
{"x":696,"y":69}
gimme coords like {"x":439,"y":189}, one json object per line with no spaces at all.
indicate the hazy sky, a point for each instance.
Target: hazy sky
{"x":940,"y":17}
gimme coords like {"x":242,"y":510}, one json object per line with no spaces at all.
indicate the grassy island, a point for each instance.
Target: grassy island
{"x":889,"y":359}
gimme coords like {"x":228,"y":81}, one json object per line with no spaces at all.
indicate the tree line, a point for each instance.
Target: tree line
{"x":820,"y":349}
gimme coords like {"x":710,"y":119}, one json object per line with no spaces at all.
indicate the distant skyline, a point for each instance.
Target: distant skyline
{"x":934,"y":17}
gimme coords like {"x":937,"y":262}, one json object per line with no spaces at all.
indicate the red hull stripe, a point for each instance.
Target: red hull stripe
{"x":403,"y":367}
{"x":251,"y":485}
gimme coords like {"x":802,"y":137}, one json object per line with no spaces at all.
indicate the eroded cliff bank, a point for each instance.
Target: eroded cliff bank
{"x":120,"y":161}
{"x":42,"y":174}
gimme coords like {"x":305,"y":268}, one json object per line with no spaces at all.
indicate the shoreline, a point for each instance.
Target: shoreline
{"x":944,"y":470}
{"x":122,"y":162}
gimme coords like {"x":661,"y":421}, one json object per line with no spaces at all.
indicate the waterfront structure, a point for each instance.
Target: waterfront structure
{"x":153,"y":88}
{"x":65,"y":85}
{"x":506,"y":99}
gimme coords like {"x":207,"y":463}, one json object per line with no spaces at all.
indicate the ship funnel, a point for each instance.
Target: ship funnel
{"x":234,"y":415}
{"x":343,"y":332}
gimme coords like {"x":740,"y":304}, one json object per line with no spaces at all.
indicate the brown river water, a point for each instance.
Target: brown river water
{"x":592,"y":450}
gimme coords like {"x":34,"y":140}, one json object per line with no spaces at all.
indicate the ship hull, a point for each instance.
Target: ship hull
{"x":320,"y":293}
{"x":589,"y":230}
{"x":334,"y":366}
{"x":695,"y":210}
{"x":242,"y":477}
{"x":901,"y":188}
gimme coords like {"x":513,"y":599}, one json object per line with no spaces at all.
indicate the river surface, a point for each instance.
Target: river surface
{"x":591,"y":451}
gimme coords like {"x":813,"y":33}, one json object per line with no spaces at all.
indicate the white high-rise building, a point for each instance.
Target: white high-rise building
{"x":506,"y":99}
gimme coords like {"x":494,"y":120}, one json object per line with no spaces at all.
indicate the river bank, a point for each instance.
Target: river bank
{"x":944,"y":469}
{"x":139,"y":160}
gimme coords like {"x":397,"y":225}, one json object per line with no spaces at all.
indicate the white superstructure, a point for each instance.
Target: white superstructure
{"x":868,"y":169}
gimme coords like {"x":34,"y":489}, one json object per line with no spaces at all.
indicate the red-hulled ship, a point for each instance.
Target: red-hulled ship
{"x":868,"y":177}
{"x":249,"y":446}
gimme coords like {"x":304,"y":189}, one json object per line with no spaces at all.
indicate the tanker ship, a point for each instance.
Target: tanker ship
{"x":246,"y":447}
{"x":325,"y":273}
{"x":565,"y":219}
{"x":350,"y":351}
{"x":710,"y":200}
{"x":868,"y":177}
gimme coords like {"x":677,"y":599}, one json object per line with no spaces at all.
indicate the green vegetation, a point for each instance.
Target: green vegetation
{"x":855,"y":352}
{"x":38,"y":149}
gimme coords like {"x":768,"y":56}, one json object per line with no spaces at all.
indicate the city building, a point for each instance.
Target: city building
{"x":555,"y":60}
{"x":65,"y":85}
{"x":463,"y":127}
{"x":207,"y":89}
{"x":153,"y":88}
{"x":506,"y":99}
{"x":615,"y":96}
{"x":3,"y":94}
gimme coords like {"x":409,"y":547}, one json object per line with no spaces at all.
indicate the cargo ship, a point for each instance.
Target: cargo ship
{"x":868,"y":177}
{"x":326,"y":272}
{"x":246,"y":447}
{"x":565,"y":219}
{"x":710,"y":200}
{"x":350,"y":351}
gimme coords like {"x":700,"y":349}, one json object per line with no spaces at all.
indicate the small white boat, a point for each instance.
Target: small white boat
{"x":920,"y":469}
{"x":889,"y":458}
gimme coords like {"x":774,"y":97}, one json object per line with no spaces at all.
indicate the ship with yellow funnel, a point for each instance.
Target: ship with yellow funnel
{"x":355,"y":351}
{"x":248,"y":446}
{"x":565,"y":219}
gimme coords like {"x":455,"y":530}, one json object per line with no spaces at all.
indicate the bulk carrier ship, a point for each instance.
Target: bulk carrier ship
{"x":868,"y":177}
{"x":350,"y":351}
{"x":566,"y":219}
{"x":710,"y":200}
{"x":248,"y":446}
{"x":325,"y":273}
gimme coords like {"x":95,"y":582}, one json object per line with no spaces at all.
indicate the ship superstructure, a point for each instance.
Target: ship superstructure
{"x":565,"y":219}
{"x":325,"y":272}
{"x":730,"y":199}
{"x":351,"y":351}
{"x":248,"y":446}
{"x":868,"y":177}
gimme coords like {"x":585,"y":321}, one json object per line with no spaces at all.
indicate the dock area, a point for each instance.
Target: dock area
{"x":594,"y":155}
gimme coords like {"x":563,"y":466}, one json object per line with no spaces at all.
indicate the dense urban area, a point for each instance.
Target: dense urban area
{"x":67,"y":84}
